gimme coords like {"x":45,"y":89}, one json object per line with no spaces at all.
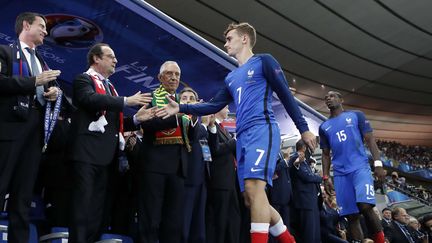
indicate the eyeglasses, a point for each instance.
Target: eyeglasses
{"x":112,"y":57}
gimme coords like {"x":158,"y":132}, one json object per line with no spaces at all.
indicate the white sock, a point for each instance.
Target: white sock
{"x":259,"y":227}
{"x":278,"y":228}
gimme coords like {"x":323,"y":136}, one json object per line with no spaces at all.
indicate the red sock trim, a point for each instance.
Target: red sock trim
{"x":259,"y":237}
{"x":285,"y":237}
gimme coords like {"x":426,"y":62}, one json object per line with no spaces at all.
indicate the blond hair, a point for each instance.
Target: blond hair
{"x":243,"y":29}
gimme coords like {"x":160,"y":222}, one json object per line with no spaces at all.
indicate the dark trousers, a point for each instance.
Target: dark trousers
{"x":194,"y":214}
{"x":284,"y":211}
{"x":19,"y":163}
{"x":160,"y":207}
{"x":308,"y":225}
{"x":88,"y":201}
{"x":223,"y":216}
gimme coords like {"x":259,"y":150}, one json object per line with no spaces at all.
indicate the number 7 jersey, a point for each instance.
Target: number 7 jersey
{"x":251,"y":86}
{"x":343,"y":135}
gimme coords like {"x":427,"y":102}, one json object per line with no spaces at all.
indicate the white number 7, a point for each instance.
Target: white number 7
{"x":261,"y":154}
{"x":239,"y":92}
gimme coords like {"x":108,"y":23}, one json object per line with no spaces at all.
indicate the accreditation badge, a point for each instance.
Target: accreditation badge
{"x":205,"y":150}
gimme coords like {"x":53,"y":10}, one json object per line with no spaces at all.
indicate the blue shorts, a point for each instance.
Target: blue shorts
{"x":257,"y":151}
{"x":353,"y":188}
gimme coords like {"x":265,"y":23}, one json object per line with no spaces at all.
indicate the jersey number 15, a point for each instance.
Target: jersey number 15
{"x":341,"y":135}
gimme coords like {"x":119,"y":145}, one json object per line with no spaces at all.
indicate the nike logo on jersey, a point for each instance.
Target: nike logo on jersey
{"x":255,"y":170}
{"x":369,"y":198}
{"x":328,"y":128}
{"x":229,"y":84}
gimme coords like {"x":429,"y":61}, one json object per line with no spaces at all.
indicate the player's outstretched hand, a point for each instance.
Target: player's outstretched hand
{"x":170,"y":109}
{"x":145,"y":114}
{"x":310,"y":139}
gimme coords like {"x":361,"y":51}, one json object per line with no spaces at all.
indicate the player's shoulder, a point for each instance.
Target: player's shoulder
{"x":357,"y":113}
{"x":325,"y":124}
{"x":265,"y":57}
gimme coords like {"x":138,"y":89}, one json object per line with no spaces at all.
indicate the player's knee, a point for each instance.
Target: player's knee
{"x":365,"y":208}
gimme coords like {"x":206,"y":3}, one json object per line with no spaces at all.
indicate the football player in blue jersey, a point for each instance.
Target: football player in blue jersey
{"x":343,"y":134}
{"x":250,"y":87}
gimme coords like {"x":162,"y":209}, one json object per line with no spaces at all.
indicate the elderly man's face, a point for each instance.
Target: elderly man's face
{"x":170,"y":78}
{"x":402,"y":217}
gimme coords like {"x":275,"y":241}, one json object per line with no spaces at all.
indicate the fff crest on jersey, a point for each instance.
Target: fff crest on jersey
{"x":250,"y":73}
{"x":349,"y":122}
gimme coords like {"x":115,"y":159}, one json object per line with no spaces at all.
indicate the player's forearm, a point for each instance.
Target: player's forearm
{"x":326,"y":164}
{"x":373,"y":147}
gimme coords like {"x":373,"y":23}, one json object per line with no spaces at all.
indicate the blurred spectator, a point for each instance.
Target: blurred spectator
{"x":414,"y":229}
{"x":280,"y":193}
{"x":398,"y":231}
{"x":386,"y":217}
{"x":306,"y":188}
{"x":331,"y":229}
{"x":426,"y":226}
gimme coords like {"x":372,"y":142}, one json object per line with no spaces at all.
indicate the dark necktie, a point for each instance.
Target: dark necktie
{"x":107,"y":87}
{"x":35,"y":72}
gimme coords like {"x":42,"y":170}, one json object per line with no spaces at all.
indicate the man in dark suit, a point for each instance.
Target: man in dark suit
{"x":306,"y":191}
{"x":386,"y":217}
{"x":223,"y":210}
{"x":96,"y":127}
{"x":195,"y":186}
{"x":24,"y":94}
{"x":163,"y":165}
{"x":398,"y":232}
{"x":280,"y":193}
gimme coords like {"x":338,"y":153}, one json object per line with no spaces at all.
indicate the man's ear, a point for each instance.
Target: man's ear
{"x":26,"y":25}
{"x":96,"y":59}
{"x":245,"y":39}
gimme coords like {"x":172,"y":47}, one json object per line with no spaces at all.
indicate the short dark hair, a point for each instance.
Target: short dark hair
{"x":28,"y":17}
{"x":95,"y":50}
{"x":300,"y":144}
{"x":338,"y":94}
{"x":395,"y":212}
{"x":243,"y":29}
{"x":189,"y":89}
{"x":386,"y":209}
{"x":423,"y":220}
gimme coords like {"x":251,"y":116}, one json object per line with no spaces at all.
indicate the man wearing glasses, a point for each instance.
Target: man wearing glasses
{"x":97,"y":127}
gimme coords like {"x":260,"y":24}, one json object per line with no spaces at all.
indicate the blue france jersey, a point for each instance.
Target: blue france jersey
{"x":250,"y":87}
{"x":344,"y":136}
{"x":251,"y":93}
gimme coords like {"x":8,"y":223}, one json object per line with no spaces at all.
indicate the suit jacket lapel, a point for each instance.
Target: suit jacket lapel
{"x":223,"y":132}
